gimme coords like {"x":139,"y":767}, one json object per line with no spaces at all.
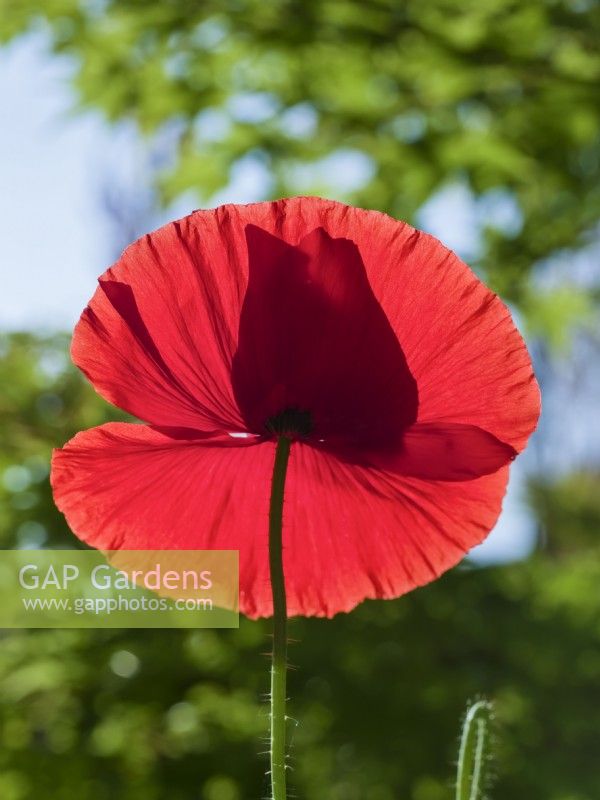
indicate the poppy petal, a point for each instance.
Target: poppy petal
{"x":158,"y":336}
{"x":128,"y":486}
{"x":393,"y":533}
{"x":469,"y":361}
{"x":350,"y":532}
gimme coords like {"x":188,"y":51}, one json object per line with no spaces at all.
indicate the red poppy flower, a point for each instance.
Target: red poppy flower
{"x":400,"y":376}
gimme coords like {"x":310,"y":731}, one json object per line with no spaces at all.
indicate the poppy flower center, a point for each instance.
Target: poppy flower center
{"x":290,"y":422}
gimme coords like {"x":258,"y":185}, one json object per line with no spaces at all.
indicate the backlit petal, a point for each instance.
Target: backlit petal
{"x":350,"y":532}
{"x":127,"y":486}
{"x":393,"y":533}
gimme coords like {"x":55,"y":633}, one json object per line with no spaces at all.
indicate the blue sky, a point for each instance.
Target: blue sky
{"x":51,"y":244}
{"x":55,"y":237}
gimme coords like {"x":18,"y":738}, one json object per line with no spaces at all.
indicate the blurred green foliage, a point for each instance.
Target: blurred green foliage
{"x":144,"y":715}
{"x":501,"y":95}
{"x":381,"y":103}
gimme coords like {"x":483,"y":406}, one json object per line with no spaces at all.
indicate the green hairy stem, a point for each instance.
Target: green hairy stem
{"x":279,"y":659}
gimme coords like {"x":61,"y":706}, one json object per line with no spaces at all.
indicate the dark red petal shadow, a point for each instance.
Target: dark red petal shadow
{"x":435,"y":451}
{"x":313,"y":337}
